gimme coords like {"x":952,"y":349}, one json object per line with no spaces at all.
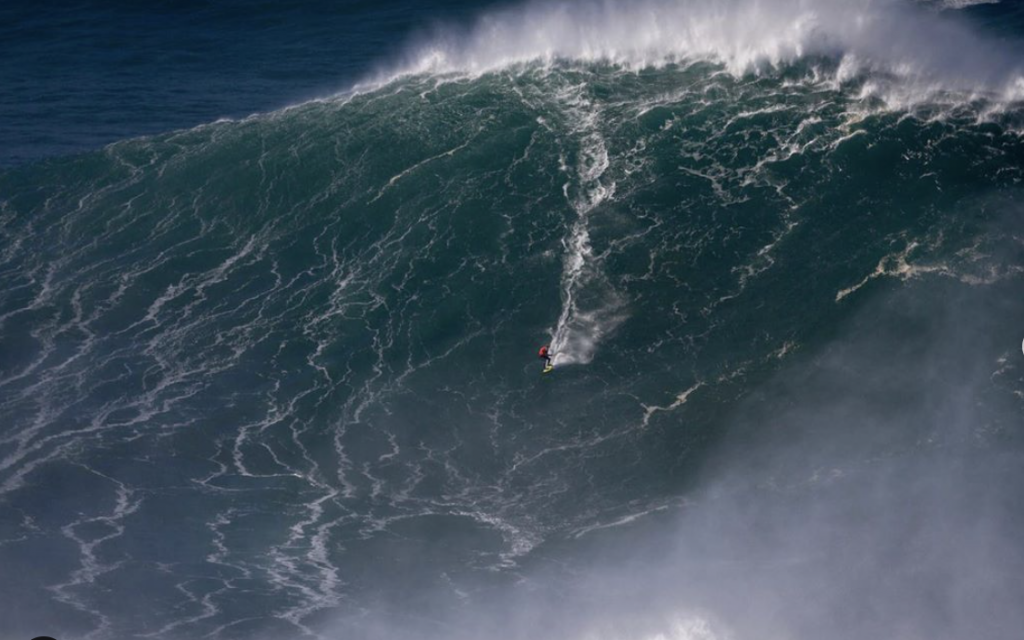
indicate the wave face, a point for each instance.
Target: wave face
{"x":274,"y":378}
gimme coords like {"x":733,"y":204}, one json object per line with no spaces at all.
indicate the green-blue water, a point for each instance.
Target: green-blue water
{"x":276,"y":377}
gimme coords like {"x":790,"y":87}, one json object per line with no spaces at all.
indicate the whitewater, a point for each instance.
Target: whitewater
{"x":276,"y":376}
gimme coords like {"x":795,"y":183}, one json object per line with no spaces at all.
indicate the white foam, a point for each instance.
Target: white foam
{"x":746,"y":36}
{"x":679,"y":401}
{"x":898,"y":265}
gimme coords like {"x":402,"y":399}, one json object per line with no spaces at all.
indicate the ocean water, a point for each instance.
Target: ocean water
{"x":79,"y":74}
{"x":271,"y":301}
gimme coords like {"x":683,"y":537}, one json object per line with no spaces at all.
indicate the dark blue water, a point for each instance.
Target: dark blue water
{"x":273,"y":278}
{"x":77,"y":75}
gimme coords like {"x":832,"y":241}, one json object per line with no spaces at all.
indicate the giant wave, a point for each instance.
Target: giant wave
{"x":274,"y":377}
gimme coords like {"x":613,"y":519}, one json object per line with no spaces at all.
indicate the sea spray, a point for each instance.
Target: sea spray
{"x":746,"y":36}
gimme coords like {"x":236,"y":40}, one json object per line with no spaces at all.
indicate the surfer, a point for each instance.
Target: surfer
{"x":545,"y":355}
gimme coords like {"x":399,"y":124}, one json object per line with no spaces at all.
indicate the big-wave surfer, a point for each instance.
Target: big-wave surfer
{"x":546,"y":355}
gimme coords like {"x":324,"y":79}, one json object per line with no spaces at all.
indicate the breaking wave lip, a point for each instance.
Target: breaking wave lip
{"x":894,"y":37}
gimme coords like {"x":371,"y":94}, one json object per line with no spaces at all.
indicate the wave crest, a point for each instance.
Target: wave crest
{"x":744,"y":35}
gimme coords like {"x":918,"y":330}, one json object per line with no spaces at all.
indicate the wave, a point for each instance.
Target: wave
{"x":322,"y":321}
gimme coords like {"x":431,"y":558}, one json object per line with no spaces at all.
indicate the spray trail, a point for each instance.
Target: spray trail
{"x":591,"y":306}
